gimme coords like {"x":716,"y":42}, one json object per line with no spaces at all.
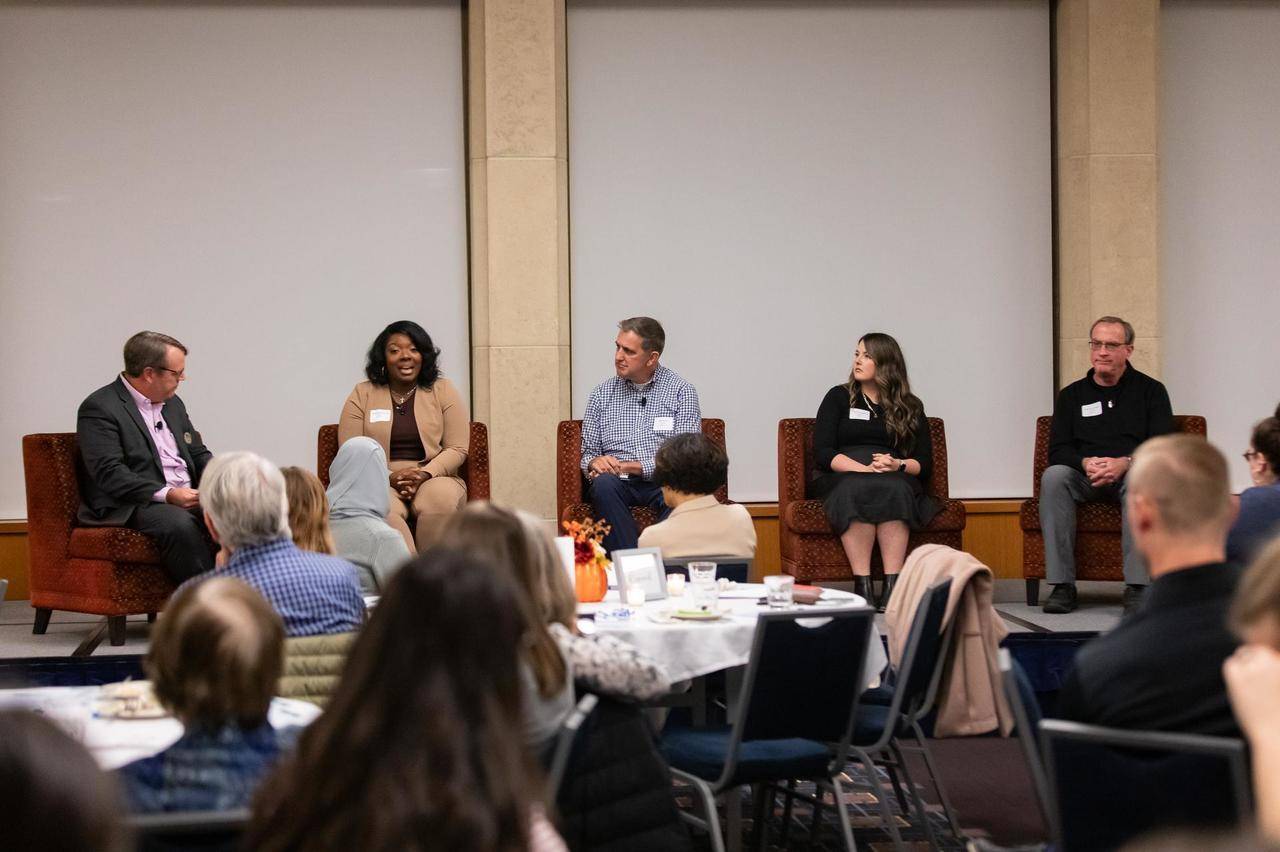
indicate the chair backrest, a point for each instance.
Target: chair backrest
{"x":795,"y":460}
{"x":804,"y":677}
{"x":474,"y":471}
{"x":50,"y":465}
{"x":1026,"y":717}
{"x":565,"y":739}
{"x":313,"y":666}
{"x":1187,"y":424}
{"x":925,"y":655}
{"x":188,"y":830}
{"x":569,"y":479}
{"x":1108,"y":785}
{"x":735,"y":568}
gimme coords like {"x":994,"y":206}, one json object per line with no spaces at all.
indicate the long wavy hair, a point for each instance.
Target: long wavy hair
{"x":375,"y":368}
{"x":902,"y":408}
{"x":308,"y":511}
{"x":496,"y":539}
{"x":421,"y":747}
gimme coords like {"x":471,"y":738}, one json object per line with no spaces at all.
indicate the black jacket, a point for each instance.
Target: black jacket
{"x":121,"y":463}
{"x":1122,"y":417}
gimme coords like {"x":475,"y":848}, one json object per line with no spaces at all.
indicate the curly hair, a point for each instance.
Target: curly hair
{"x":902,"y":408}
{"x":375,"y":368}
{"x":691,"y":464}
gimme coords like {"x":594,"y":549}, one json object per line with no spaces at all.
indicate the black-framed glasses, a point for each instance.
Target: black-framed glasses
{"x":1095,"y":345}
{"x":177,"y":374}
{"x":1250,"y":455}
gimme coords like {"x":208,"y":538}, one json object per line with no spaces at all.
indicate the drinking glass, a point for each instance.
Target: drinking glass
{"x":779,"y":589}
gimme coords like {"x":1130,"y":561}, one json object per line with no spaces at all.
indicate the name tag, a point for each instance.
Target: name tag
{"x":379,"y":415}
{"x":664,"y":424}
{"x":859,"y":414}
{"x":1093,"y":409}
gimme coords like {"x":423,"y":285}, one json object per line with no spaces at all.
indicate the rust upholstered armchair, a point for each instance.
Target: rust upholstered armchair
{"x":571,"y":485}
{"x":810,"y":548}
{"x":111,"y":571}
{"x":1098,"y":554}
{"x":474,"y":471}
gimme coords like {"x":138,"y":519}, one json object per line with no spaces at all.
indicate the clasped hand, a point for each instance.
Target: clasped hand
{"x":406,"y":482}
{"x":884,"y":463}
{"x":183,"y":498}
{"x":1105,"y":471}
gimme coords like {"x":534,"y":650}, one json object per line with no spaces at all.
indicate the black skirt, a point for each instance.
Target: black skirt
{"x":873,"y":498}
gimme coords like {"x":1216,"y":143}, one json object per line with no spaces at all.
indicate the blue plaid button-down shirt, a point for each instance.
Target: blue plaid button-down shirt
{"x":620,"y":417}
{"x":312,"y":592}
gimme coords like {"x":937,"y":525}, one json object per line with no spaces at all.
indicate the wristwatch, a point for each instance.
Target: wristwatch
{"x":902,"y":467}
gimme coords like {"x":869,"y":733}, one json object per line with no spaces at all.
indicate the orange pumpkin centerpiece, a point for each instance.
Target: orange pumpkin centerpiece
{"x":590,"y":561}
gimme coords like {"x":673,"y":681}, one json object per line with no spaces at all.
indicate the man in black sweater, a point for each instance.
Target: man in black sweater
{"x":1161,"y":669}
{"x":1098,"y":422}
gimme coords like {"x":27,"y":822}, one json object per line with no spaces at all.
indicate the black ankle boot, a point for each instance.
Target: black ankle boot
{"x":890,"y":580}
{"x":862,"y":588}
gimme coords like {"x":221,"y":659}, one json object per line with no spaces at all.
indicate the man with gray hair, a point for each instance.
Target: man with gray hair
{"x":247,"y":511}
{"x":1098,"y":422}
{"x":1161,"y":669}
{"x":143,"y":458}
{"x":628,"y":416}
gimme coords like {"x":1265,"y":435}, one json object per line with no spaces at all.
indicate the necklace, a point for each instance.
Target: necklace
{"x":870,"y":405}
{"x":403,"y":400}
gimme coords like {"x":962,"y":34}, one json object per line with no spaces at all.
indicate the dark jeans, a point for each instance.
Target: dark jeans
{"x":185,"y":546}
{"x":612,"y":499}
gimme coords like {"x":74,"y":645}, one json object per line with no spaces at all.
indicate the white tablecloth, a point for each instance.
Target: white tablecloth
{"x":115,"y":742}
{"x":689,"y":649}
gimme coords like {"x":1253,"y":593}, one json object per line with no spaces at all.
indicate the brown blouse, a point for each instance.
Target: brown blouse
{"x":406,"y":443}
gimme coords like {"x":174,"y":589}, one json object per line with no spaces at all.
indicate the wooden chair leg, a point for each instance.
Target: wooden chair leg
{"x":151,"y":618}
{"x":116,"y":629}
{"x":1033,"y":592}
{"x":42,"y":621}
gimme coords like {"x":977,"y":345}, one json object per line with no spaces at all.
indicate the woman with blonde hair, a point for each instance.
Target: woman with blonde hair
{"x":308,"y":511}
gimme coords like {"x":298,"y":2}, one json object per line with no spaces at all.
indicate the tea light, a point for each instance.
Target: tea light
{"x":635,"y":597}
{"x":675,"y":585}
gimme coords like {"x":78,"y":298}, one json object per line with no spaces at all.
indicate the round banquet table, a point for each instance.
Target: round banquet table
{"x":690,"y":649}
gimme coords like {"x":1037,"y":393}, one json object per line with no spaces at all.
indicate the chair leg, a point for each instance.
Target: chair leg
{"x":1033,"y":592}
{"x":816,"y":817}
{"x":846,"y":827}
{"x":788,"y":802}
{"x":42,"y":621}
{"x":713,"y":819}
{"x":886,"y":815}
{"x":116,"y":629}
{"x":921,"y":813}
{"x":937,"y":783}
{"x":897,"y":786}
{"x":761,"y":798}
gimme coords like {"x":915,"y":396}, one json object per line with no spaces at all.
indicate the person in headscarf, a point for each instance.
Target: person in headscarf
{"x":358,"y":504}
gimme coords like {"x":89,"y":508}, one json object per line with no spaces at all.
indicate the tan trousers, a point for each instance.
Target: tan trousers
{"x":436,"y":500}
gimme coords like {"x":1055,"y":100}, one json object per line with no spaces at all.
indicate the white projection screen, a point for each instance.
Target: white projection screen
{"x":773,"y":179}
{"x":1220,"y":208}
{"x":270,"y":183}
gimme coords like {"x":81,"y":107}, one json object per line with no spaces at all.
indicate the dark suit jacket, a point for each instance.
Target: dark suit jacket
{"x":121,"y":462}
{"x":1161,"y":669}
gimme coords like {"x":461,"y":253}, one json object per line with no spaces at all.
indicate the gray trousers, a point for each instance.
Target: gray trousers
{"x":1061,"y":488}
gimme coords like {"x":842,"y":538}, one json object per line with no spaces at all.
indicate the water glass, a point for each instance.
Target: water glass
{"x":702,"y":572}
{"x":779,"y":589}
{"x":702,"y":582}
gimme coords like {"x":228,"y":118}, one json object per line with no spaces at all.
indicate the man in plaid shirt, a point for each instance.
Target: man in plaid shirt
{"x":628,"y":417}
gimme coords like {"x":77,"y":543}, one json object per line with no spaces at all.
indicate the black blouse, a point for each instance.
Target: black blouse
{"x":834,"y":431}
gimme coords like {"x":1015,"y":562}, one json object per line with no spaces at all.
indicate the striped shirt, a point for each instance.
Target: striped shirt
{"x":630,"y":421}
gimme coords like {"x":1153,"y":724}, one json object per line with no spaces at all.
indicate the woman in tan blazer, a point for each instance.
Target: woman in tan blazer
{"x":422,"y":424}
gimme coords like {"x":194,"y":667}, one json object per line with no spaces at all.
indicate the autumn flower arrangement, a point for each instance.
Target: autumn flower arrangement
{"x":590,"y":562}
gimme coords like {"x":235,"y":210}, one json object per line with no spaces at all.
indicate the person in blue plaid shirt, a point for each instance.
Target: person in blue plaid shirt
{"x":628,"y":417}
{"x":247,"y":512}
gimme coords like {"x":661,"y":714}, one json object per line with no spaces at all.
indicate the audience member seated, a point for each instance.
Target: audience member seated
{"x":214,"y":660}
{"x":417,"y":417}
{"x":55,"y":797}
{"x":873,"y":450}
{"x":627,"y":416}
{"x":246,"y":509}
{"x":495,"y":539}
{"x":1259,"y":519}
{"x":308,"y":511}
{"x":420,"y":747}
{"x":358,"y":505}
{"x":143,"y":460}
{"x":689,"y":468}
{"x":1098,"y":422}
{"x":1161,"y":668}
{"x":599,"y":662}
{"x":1253,"y":680}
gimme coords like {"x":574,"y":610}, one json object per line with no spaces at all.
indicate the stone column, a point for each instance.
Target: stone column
{"x":518,"y":205}
{"x":1108,"y":175}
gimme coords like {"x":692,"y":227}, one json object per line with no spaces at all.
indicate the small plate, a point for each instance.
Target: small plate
{"x":696,"y":615}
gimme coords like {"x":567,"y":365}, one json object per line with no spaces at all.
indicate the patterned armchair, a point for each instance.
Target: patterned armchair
{"x":110,"y":571}
{"x":571,"y":485}
{"x":810,"y":548}
{"x":474,"y":471}
{"x":1098,"y":554}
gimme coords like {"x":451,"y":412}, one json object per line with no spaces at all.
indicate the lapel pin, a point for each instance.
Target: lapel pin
{"x":186,"y":436}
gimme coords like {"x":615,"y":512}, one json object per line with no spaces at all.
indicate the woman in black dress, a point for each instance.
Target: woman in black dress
{"x":872,"y":449}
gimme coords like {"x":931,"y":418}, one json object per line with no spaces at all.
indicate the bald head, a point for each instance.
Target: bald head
{"x":1184,"y":479}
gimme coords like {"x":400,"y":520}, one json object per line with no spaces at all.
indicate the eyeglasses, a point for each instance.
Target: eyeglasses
{"x":177,"y":374}
{"x":1250,"y":455}
{"x":1095,"y":345}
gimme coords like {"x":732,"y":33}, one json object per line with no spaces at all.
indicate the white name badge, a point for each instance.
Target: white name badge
{"x":664,"y":424}
{"x":379,"y":415}
{"x":1093,"y":409}
{"x":859,"y":414}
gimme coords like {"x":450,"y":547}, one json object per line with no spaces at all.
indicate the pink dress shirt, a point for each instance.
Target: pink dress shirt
{"x":176,"y":474}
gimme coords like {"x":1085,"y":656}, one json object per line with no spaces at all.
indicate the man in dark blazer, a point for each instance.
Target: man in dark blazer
{"x":143,"y":458}
{"x":1161,"y":669}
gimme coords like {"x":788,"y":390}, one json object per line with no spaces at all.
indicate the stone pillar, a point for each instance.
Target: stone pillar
{"x":518,"y":205}
{"x":1108,"y":175}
